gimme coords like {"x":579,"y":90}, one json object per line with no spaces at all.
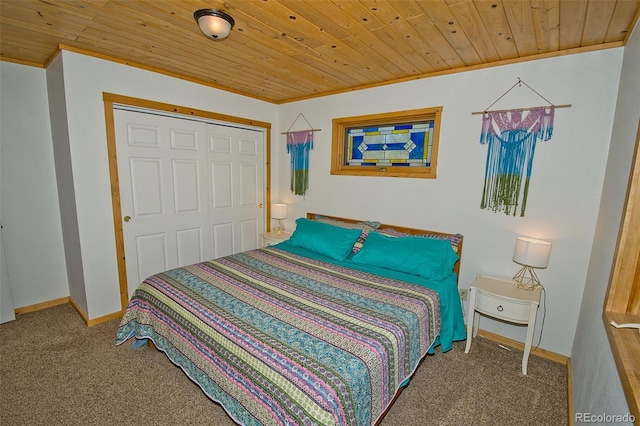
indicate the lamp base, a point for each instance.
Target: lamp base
{"x":526,"y":278}
{"x":278,"y":228}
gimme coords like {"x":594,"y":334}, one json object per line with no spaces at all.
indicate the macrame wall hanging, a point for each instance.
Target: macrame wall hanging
{"x":299,"y":143}
{"x":511,"y":136}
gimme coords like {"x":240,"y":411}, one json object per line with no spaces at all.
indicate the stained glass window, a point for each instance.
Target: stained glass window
{"x":399,"y":144}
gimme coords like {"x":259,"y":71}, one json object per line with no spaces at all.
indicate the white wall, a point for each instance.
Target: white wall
{"x":29,"y":196}
{"x":596,"y":384}
{"x":85,"y":80}
{"x":64,"y":180}
{"x":565,"y":188}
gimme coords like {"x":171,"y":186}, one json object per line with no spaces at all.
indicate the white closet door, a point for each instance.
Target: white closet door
{"x":190,"y":191}
{"x":236,"y":160}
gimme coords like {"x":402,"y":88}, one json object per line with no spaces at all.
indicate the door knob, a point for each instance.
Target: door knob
{"x":127,"y":218}
{"x":260,"y":205}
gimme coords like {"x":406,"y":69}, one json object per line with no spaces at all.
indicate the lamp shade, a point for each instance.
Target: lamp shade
{"x":278,"y":211}
{"x":214,"y":23}
{"x":532,"y":252}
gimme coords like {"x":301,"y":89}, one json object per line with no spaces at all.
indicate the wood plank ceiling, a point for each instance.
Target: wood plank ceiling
{"x":286,"y":50}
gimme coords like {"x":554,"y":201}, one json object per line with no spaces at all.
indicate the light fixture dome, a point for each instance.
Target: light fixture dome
{"x":214,"y":23}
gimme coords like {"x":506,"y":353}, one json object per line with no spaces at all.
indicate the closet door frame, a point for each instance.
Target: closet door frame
{"x":110,"y":100}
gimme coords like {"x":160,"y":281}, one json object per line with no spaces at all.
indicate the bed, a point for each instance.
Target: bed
{"x":325,"y":328}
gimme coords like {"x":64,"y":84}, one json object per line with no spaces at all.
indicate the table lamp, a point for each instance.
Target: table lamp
{"x":530,"y":253}
{"x":278,"y":212}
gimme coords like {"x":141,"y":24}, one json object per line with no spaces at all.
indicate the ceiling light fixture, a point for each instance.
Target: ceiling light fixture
{"x":214,"y":23}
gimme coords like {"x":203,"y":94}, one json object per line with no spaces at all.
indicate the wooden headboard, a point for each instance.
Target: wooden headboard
{"x":412,"y":231}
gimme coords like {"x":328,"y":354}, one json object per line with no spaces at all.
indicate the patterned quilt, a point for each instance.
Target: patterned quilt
{"x":278,"y":338}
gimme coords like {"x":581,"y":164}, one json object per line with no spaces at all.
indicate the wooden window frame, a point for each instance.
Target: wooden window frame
{"x":339,"y":165}
{"x":622,"y":303}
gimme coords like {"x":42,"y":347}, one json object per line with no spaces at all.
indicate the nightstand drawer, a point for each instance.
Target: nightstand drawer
{"x":506,"y":309}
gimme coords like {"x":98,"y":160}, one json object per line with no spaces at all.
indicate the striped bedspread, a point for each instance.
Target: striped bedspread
{"x":278,"y":338}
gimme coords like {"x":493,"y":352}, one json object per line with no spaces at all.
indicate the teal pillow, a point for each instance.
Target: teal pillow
{"x":455,"y":240}
{"x":365,"y":226}
{"x":426,"y":257}
{"x":333,"y":241}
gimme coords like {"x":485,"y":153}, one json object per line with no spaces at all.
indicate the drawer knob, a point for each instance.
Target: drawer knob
{"x":500,"y":308}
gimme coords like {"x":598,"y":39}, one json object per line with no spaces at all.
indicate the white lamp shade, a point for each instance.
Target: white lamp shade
{"x":532,"y":252}
{"x":278,"y":211}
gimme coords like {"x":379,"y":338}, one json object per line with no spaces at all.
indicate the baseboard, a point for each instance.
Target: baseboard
{"x":62,"y":301}
{"x":520,"y":346}
{"x":94,"y":321}
{"x":104,"y":318}
{"x":40,"y":306}
{"x":569,"y":394}
{"x":78,"y":310}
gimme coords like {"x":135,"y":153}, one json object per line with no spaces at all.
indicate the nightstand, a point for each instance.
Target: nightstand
{"x":501,"y":299}
{"x":271,"y":238}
